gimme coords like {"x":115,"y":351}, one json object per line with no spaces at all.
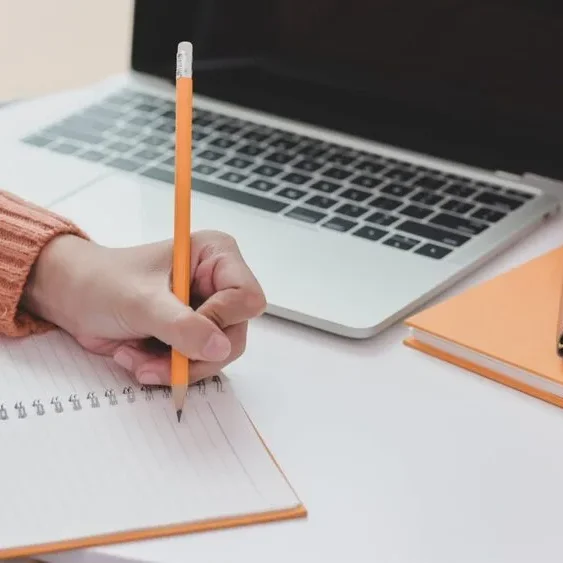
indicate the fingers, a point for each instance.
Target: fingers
{"x":165,"y":317}
{"x":153,"y":367}
{"x":230,"y":292}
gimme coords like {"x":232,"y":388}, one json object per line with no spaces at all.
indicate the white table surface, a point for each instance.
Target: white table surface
{"x":398,"y":457}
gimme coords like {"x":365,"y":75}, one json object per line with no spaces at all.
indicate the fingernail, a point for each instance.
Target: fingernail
{"x":217,"y":348}
{"x":149,"y":378}
{"x":124,"y":360}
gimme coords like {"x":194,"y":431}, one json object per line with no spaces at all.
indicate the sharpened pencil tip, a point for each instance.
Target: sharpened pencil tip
{"x":179,"y":415}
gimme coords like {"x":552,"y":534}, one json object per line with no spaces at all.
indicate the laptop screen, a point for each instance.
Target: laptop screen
{"x":474,"y":81}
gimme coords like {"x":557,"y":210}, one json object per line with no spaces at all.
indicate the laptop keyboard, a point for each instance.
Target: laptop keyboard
{"x":326,"y":185}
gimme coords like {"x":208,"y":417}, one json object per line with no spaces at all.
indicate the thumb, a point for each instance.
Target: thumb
{"x":163,"y":316}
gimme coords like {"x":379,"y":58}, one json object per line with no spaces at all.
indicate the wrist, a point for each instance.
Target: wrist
{"x":55,"y":278}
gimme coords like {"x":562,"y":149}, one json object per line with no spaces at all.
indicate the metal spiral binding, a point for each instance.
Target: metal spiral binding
{"x":129,"y":392}
{"x":57,"y":404}
{"x":150,"y":393}
{"x":21,"y":410}
{"x":147,"y":390}
{"x":93,"y":398}
{"x":75,"y":402}
{"x":110,"y":394}
{"x":39,"y":408}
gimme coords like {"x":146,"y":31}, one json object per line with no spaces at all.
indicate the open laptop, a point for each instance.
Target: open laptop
{"x":365,"y":155}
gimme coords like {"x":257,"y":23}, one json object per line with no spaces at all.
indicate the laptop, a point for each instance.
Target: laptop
{"x":364,"y":155}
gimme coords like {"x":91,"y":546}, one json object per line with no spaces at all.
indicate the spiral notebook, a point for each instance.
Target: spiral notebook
{"x":88,"y":457}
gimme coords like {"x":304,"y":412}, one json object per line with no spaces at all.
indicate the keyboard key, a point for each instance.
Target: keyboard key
{"x":222,"y":142}
{"x":125,"y":133}
{"x":239,"y":163}
{"x":170,"y":161}
{"x":355,"y":195}
{"x":429,"y":183}
{"x":489,"y":215}
{"x":416,"y":211}
{"x":369,"y":166}
{"x":89,"y":137}
{"x":93,"y":156}
{"x":279,"y":158}
{"x":268,"y":171}
{"x":426,"y":198}
{"x":307,"y":165}
{"x":340,"y":159}
{"x":365,"y":181}
{"x":397,"y":190}
{"x":233,"y":177}
{"x":140,"y":120}
{"x":337,"y":173}
{"x":64,"y":148}
{"x":237,"y":196}
{"x":250,"y":150}
{"x":490,"y":187}
{"x":147,"y":154}
{"x":400,"y":174}
{"x":386,"y":203}
{"x":147,"y":108}
{"x":118,"y":146}
{"x":339,"y":224}
{"x":401,"y":242}
{"x":433,"y":251}
{"x":169,"y":127}
{"x":432,"y":233}
{"x":325,"y":186}
{"x":466,"y":226}
{"x":382,"y":219}
{"x":153,"y":141}
{"x":460,"y":190}
{"x":295,"y":178}
{"x":501,"y":202}
{"x":304,"y":214}
{"x":262,"y":185}
{"x":312,"y":151}
{"x":460,"y":207}
{"x":291,"y":193}
{"x":205,"y":169}
{"x":321,"y":201}
{"x":210,"y":155}
{"x":370,"y":233}
{"x":37,"y":140}
{"x":124,"y":164}
{"x":160,"y":174}
{"x":256,"y":136}
{"x":228,"y":128}
{"x":351,"y":210}
{"x":285,"y":143}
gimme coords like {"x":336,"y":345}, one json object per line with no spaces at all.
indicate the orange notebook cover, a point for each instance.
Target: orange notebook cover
{"x":88,"y":457}
{"x":505,"y":328}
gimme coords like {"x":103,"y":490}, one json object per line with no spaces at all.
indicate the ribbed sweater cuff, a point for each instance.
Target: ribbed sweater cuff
{"x":25,"y":229}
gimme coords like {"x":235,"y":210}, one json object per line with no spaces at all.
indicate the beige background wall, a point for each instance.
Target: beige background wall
{"x":46,"y":45}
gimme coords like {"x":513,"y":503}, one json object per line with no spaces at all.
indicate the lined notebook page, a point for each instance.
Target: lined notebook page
{"x":121,"y":466}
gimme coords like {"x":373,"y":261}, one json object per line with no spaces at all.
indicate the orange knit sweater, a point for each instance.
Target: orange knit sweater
{"x":25,"y":229}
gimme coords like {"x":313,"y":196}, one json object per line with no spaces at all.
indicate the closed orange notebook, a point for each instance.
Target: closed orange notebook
{"x":504,"y":329}
{"x":87,"y":457}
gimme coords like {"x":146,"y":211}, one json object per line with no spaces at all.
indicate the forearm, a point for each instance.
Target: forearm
{"x":25,"y":230}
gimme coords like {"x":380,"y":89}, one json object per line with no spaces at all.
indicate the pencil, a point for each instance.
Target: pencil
{"x":559,"y":334}
{"x":182,"y":211}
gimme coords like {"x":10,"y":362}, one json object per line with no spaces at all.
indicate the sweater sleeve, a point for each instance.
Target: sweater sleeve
{"x":25,"y":228}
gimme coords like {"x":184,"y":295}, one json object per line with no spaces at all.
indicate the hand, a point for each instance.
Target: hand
{"x":118,"y":302}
